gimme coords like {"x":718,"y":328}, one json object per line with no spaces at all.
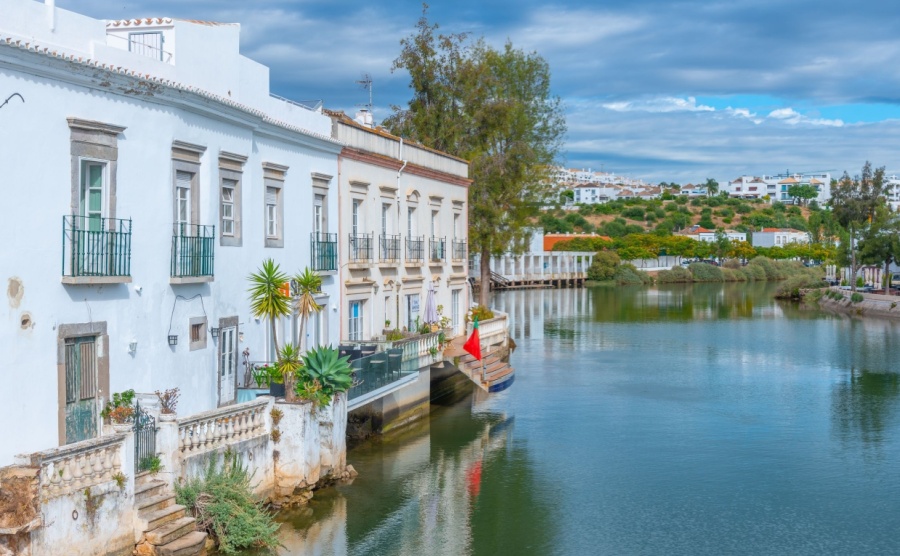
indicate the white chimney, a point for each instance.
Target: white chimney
{"x":364,"y":117}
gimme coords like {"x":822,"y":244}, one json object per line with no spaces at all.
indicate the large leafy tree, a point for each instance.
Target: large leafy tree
{"x":268,"y":298}
{"x":712,"y":187}
{"x":802,"y":193}
{"x":854,"y":203}
{"x":493,"y":108}
{"x":881,"y":243}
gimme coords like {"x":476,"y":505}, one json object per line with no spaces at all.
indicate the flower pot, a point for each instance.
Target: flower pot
{"x":276,"y":390}
{"x":167,"y":417}
{"x":120,"y":428}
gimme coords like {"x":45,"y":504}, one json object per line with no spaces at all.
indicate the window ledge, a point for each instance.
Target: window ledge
{"x":95,"y":280}
{"x":387,"y":264}
{"x":190,"y":280}
{"x":327,"y":272}
{"x":360,"y":264}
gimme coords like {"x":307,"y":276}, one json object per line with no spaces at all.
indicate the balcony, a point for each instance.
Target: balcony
{"x":193,"y":253}
{"x":389,"y":248}
{"x":415,"y":250}
{"x":361,"y":248}
{"x":459,"y":250}
{"x":96,"y":250}
{"x":437,"y":249}
{"x":324,"y":249}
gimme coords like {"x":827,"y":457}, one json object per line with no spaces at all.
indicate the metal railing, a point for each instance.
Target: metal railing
{"x":415,"y":249}
{"x":144,"y":439}
{"x":391,"y":362}
{"x":437,"y":248}
{"x":389,"y":248}
{"x":361,"y":247}
{"x":324,"y":249}
{"x":193,"y":251}
{"x":459,"y":250}
{"x":95,"y":246}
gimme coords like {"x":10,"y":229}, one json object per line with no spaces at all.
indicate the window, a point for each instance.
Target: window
{"x":454,"y":310}
{"x":272,"y":231}
{"x":411,"y":216}
{"x":354,"y":218}
{"x":93,"y":194}
{"x":198,"y":333}
{"x":455,"y":226}
{"x":147,"y":44}
{"x":318,"y":215}
{"x":412,"y":310}
{"x":228,"y":187}
{"x":183,"y":197}
{"x":385,"y":211}
{"x":231,"y":168}
{"x":273,"y":203}
{"x":434,"y":222}
{"x":356,"y":321}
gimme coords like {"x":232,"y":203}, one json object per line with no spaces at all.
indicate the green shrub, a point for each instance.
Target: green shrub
{"x":628,"y":275}
{"x":633,"y":229}
{"x":678,"y":274}
{"x":703,"y":272}
{"x":696,"y":202}
{"x":791,"y":287}
{"x":773,"y":272}
{"x":743,"y":208}
{"x":671,"y":207}
{"x":651,"y":217}
{"x":733,"y":275}
{"x":604,"y":266}
{"x":714,"y":201}
{"x":856,"y":297}
{"x":681,"y":199}
{"x":706,"y":223}
{"x":222,"y":501}
{"x":659,"y":212}
{"x":480,"y":312}
{"x":860,"y":282}
{"x":635,"y":213}
{"x":755,"y":272}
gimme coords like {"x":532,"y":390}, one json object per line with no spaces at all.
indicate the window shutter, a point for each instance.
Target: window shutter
{"x":271,"y":195}
{"x":183,"y":179}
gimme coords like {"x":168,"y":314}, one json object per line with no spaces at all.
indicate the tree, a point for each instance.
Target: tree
{"x":854,"y":203}
{"x":307,"y":283}
{"x":712,"y":187}
{"x":493,"y":108}
{"x":802,"y":193}
{"x":268,"y":298}
{"x":881,"y":244}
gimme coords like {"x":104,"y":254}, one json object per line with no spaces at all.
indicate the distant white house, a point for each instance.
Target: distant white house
{"x":778,"y":188}
{"x":778,"y":237}
{"x":700,"y":233}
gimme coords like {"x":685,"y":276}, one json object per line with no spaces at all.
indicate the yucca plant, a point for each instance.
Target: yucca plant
{"x":267,"y":297}
{"x":288,"y":365}
{"x":308,"y":284}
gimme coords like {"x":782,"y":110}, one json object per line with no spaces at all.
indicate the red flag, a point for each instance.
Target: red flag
{"x":473,"y":344}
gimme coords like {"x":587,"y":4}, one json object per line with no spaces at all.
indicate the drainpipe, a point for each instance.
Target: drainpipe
{"x":402,"y":167}
{"x":51,"y":14}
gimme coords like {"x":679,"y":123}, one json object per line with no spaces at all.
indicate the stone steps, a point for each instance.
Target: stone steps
{"x":161,"y":525}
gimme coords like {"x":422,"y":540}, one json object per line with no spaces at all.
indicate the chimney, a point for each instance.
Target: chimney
{"x":364,"y":117}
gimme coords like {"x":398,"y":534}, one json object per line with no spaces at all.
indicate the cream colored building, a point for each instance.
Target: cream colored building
{"x":402,"y":227}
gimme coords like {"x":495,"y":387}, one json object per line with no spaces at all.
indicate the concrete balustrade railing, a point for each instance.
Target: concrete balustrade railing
{"x":491,"y":327}
{"x":78,"y":466}
{"x":221,"y":427}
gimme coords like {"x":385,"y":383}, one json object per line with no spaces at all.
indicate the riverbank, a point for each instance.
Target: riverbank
{"x":872,"y":304}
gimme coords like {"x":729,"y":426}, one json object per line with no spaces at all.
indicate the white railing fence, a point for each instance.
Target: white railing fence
{"x":78,"y":466}
{"x":220,"y":427}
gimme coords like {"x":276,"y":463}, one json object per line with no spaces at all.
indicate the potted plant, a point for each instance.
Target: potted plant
{"x":276,"y":380}
{"x":168,"y":401}
{"x":119,"y":411}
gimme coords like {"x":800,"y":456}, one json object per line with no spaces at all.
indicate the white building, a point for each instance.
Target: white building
{"x":699,"y":233}
{"x":778,"y":188}
{"x":778,"y":237}
{"x":154,"y":171}
{"x":403,"y":228}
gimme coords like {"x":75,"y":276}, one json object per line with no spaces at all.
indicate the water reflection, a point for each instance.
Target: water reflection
{"x":448,"y":487}
{"x":864,"y":405}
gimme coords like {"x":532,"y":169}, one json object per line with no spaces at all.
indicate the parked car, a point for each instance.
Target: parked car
{"x":708,"y":261}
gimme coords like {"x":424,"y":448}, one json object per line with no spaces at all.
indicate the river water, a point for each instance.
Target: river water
{"x":691,"y":419}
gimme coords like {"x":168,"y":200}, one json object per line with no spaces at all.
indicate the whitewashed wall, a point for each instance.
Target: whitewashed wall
{"x":35,"y":148}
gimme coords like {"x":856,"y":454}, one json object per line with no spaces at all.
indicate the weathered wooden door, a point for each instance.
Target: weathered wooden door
{"x":227,"y":365}
{"x":81,"y":389}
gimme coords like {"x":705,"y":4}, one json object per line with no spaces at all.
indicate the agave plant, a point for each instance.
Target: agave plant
{"x":325,"y":365}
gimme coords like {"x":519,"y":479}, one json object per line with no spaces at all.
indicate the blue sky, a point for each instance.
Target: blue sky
{"x":660,"y":90}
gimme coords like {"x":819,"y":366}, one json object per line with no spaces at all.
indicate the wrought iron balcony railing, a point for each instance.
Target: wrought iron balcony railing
{"x":193,"y":250}
{"x":96,"y":247}
{"x":361,"y":248}
{"x":459,"y":250}
{"x":389,"y":248}
{"x":438,"y":248}
{"x":324,"y":249}
{"x":415,"y":249}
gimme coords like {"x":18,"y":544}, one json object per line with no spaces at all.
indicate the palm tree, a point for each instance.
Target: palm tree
{"x":308,"y":283}
{"x":267,"y":297}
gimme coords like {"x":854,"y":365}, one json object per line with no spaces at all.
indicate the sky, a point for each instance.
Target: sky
{"x":676,"y":91}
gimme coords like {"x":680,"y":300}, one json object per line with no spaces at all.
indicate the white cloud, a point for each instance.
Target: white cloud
{"x":791,"y":116}
{"x":659,"y":104}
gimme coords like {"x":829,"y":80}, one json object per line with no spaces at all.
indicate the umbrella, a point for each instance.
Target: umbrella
{"x":430,"y":316}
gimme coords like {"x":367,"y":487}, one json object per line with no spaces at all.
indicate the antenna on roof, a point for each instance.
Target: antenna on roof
{"x":366,"y":84}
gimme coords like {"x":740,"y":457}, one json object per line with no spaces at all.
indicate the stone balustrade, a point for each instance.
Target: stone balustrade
{"x":78,"y":466}
{"x":220,"y":427}
{"x":492,"y":327}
